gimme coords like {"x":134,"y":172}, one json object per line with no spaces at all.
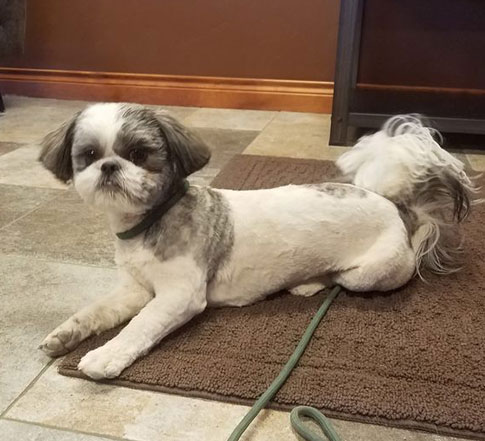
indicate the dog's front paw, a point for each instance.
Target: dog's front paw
{"x":104,"y":362}
{"x":62,"y":340}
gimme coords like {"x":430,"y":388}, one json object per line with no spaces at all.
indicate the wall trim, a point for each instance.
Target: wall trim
{"x":240,"y":93}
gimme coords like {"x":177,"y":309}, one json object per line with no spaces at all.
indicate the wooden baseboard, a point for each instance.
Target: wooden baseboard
{"x":239,"y":93}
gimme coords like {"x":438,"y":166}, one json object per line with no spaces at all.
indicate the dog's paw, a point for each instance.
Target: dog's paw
{"x":104,"y":362}
{"x":307,"y":289}
{"x":62,"y":340}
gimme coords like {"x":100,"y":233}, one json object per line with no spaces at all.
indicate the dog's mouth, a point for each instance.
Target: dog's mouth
{"x":109,"y":183}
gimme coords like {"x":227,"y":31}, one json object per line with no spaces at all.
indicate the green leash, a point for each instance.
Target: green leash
{"x":301,"y":411}
{"x":318,"y":417}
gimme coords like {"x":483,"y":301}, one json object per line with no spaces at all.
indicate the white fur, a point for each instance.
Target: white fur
{"x":392,"y":161}
{"x":84,"y":183}
{"x":180,"y":294}
{"x":295,"y":237}
{"x":286,"y":237}
{"x":101,"y":123}
{"x":405,"y":163}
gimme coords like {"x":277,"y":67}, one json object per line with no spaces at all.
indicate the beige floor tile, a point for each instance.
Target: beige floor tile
{"x":64,"y":230}
{"x":21,"y":167}
{"x":296,"y":135}
{"x":226,"y":141}
{"x":349,"y":431}
{"x":230,"y":119}
{"x":16,"y":201}
{"x":19,"y":431}
{"x":122,"y":412}
{"x":295,"y":118}
{"x":178,"y":112}
{"x":28,"y":120}
{"x":32,"y":103}
{"x":462,"y":157}
{"x":151,"y":416}
{"x":7,"y":147}
{"x":477,"y":161}
{"x":224,"y":144}
{"x":35,"y":297}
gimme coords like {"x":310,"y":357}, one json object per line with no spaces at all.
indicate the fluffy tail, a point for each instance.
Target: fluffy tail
{"x":404,"y":163}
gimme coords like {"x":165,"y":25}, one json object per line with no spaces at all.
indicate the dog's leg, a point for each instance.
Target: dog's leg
{"x":307,"y":289}
{"x":381,"y":274}
{"x":179,"y":297}
{"x":359,"y":279}
{"x":127,"y":300}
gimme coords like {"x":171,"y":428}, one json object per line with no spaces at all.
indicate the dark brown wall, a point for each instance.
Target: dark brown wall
{"x":280,"y":39}
{"x":437,"y":43}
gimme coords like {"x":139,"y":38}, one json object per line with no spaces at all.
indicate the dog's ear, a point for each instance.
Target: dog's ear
{"x":56,"y":150}
{"x":189,"y":151}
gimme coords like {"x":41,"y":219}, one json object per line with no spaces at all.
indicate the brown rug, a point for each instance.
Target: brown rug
{"x":413,"y":358}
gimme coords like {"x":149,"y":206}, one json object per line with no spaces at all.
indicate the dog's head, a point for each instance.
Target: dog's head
{"x":123,"y":156}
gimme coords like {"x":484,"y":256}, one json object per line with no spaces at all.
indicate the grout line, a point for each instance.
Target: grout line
{"x":276,"y":113}
{"x":47,"y":201}
{"x":38,"y":187}
{"x":253,"y":141}
{"x":29,"y":386}
{"x":65,"y":429}
{"x":41,"y":258}
{"x":17,"y":145}
{"x":60,"y":262}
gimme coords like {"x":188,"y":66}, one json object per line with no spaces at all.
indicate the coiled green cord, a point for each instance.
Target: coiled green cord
{"x":318,"y":417}
{"x":297,"y":412}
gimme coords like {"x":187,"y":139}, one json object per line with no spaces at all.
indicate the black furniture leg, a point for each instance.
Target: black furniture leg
{"x":2,"y":107}
{"x":350,"y":23}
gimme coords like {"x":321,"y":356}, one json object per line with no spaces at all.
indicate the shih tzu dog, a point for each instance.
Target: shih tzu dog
{"x":181,"y":248}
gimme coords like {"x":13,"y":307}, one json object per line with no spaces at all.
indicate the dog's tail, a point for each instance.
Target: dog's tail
{"x":404,"y":163}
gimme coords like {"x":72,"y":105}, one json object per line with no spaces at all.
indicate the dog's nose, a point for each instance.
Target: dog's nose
{"x":109,"y":167}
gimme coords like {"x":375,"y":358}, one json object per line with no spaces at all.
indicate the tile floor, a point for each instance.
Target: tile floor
{"x":56,"y":255}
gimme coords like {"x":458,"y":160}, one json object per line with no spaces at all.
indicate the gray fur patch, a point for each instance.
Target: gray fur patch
{"x":57,"y":148}
{"x":445,"y":190}
{"x":189,"y":153}
{"x":339,"y":190}
{"x":200,"y":224}
{"x":141,"y":130}
{"x":409,"y":218}
{"x":432,"y":214}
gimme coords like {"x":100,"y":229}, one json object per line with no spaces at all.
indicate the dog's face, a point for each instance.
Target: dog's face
{"x":123,"y":156}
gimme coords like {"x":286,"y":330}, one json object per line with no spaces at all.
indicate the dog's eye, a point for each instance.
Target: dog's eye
{"x":137,"y":155}
{"x":89,"y":156}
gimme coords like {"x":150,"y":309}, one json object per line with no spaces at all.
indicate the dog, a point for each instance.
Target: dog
{"x":181,"y":248}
